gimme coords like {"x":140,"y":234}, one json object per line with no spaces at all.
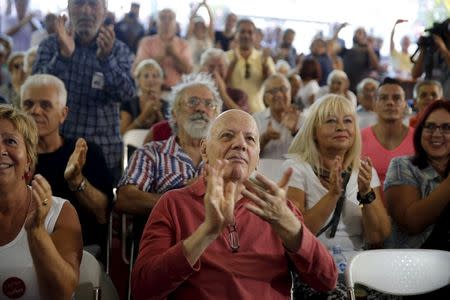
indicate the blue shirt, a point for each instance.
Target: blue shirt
{"x":95,"y":87}
{"x":402,"y":172}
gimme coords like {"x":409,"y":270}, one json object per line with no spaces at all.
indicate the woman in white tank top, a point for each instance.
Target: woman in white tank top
{"x":40,"y":235}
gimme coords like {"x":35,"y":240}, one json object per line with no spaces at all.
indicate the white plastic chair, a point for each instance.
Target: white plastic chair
{"x":271,"y":168}
{"x":135,"y":138}
{"x":94,"y":283}
{"x":401,"y":272}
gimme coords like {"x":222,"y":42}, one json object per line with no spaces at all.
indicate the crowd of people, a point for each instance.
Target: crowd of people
{"x":361,"y":168}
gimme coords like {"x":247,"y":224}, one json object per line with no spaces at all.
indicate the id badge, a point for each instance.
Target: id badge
{"x":98,"y":81}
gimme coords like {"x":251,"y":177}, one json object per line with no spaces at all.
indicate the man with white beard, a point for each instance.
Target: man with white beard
{"x":160,"y":166}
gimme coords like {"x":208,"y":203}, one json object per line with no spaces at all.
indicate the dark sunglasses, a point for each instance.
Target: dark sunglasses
{"x":247,"y":70}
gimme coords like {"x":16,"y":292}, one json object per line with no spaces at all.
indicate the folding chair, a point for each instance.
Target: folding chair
{"x":401,"y":272}
{"x":94,"y":283}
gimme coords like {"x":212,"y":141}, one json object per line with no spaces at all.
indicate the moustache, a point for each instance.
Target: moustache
{"x":199,"y":116}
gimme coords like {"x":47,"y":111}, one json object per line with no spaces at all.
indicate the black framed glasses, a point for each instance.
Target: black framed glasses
{"x":193,"y":102}
{"x":430,"y":128}
{"x":247,"y":71}
{"x":233,"y":238}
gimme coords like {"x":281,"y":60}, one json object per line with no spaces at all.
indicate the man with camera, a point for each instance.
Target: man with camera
{"x":434,"y":56}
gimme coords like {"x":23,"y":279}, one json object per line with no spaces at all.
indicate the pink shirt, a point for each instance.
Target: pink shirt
{"x":380,"y":156}
{"x":259,"y":270}
{"x":154,"y":47}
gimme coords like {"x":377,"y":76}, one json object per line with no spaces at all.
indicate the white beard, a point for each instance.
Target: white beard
{"x":196,"y":129}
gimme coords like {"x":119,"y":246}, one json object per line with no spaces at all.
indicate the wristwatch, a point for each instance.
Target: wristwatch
{"x":367,"y":198}
{"x":81,"y":187}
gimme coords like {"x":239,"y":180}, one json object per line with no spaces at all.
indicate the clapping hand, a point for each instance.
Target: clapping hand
{"x":65,"y":36}
{"x":335,"y":180}
{"x":364,"y":176}
{"x":220,"y":198}
{"x":105,"y":41}
{"x":41,"y":201}
{"x":270,"y":134}
{"x":270,"y":204}
{"x":290,"y":119}
{"x":75,"y":165}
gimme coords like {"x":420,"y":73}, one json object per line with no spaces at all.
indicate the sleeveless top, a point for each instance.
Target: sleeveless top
{"x":18,"y":278}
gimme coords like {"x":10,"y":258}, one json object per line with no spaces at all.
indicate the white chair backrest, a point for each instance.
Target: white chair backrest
{"x":93,"y":282}
{"x":399,"y":271}
{"x":271,"y":168}
{"x":135,"y":138}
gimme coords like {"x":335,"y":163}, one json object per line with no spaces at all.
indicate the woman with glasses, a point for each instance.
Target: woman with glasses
{"x":417,"y":187}
{"x":337,"y":191}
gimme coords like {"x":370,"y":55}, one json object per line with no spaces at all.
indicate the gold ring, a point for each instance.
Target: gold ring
{"x":45,"y":202}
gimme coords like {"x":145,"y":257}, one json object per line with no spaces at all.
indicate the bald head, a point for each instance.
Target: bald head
{"x":233,"y":137}
{"x":232,"y":115}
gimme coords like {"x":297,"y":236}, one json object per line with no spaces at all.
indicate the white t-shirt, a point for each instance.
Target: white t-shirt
{"x":349,"y":233}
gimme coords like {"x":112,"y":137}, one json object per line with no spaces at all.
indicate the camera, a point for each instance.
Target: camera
{"x":426,"y":42}
{"x":439,"y":29}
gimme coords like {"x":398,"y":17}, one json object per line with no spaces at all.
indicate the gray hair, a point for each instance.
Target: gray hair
{"x":336,"y":74}
{"x":276,"y":76}
{"x":212,"y":53}
{"x":147,"y":63}
{"x":281,"y":63}
{"x":12,"y":57}
{"x":419,"y":84}
{"x":191,"y":80}
{"x":362,"y":84}
{"x":45,"y":80}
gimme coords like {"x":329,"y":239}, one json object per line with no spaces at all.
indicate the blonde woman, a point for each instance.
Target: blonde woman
{"x":147,"y":107}
{"x":337,"y":191}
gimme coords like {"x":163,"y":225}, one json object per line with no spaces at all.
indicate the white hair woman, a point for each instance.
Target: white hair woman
{"x":337,"y":191}
{"x":147,"y":108}
{"x":338,"y":83}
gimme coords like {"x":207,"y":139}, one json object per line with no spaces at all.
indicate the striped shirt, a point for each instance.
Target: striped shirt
{"x":94,"y":87}
{"x":160,"y":166}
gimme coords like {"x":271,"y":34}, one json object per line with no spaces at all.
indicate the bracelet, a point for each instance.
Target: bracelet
{"x":81,"y":187}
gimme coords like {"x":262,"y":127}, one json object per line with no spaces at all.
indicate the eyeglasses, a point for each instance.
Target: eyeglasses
{"x":430,"y":128}
{"x":275,"y":90}
{"x":193,"y":102}
{"x":233,"y":238}
{"x":247,"y":70}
